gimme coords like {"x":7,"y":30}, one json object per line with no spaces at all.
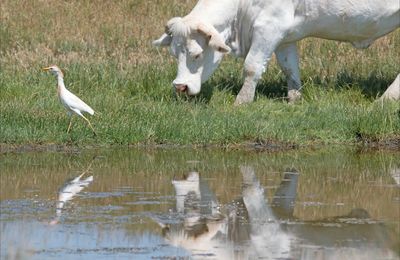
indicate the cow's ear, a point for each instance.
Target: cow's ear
{"x":213,"y":37}
{"x":164,"y":40}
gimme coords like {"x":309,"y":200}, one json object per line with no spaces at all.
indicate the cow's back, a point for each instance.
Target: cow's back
{"x":359,"y":22}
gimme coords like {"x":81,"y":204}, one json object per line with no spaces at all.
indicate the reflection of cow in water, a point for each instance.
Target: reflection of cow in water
{"x":250,"y":227}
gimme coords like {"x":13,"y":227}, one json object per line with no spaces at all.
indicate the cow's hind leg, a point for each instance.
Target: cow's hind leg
{"x":288,"y":60}
{"x":393,"y":91}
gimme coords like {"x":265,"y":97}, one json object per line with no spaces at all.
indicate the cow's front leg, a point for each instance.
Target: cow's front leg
{"x":288,"y":60}
{"x":255,"y":64}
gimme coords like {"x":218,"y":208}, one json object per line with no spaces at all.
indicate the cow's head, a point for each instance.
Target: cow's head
{"x":198,"y":47}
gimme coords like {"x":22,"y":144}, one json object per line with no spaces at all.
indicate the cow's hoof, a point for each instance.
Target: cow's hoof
{"x":293,"y":96}
{"x":237,"y":102}
{"x":241,"y":101}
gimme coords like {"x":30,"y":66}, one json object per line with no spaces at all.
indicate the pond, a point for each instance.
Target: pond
{"x":200,"y":204}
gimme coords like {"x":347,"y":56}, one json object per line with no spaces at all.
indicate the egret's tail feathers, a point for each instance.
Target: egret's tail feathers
{"x":88,"y":179}
{"x":89,"y":110}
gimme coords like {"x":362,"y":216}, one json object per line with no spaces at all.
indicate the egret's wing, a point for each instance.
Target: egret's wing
{"x":75,"y":102}
{"x":71,"y":188}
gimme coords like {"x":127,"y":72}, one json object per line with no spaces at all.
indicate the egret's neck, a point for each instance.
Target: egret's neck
{"x":60,"y":82}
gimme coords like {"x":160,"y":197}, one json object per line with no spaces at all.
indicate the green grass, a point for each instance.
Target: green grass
{"x":108,"y":61}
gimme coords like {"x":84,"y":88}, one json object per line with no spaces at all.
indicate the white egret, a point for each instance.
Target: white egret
{"x":72,"y":103}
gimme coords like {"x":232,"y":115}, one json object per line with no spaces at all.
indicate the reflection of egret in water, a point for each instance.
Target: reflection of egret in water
{"x":251,"y":227}
{"x":68,"y":191}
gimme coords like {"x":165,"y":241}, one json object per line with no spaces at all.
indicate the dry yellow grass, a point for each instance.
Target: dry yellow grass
{"x":41,"y":32}
{"x":46,"y":31}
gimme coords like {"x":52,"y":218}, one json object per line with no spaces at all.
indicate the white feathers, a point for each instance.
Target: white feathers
{"x":72,"y":103}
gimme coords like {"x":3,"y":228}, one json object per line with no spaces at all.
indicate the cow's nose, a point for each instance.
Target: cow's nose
{"x":181,"y":87}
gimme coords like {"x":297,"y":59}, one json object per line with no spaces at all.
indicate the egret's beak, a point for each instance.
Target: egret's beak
{"x":46,"y":69}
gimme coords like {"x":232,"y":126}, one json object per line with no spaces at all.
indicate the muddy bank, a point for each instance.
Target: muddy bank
{"x":389,"y":144}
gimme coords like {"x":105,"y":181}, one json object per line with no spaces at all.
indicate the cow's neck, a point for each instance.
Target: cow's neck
{"x":230,"y":18}
{"x":221,"y":14}
{"x":218,"y":13}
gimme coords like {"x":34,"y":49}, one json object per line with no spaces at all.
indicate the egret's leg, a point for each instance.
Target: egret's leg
{"x":70,"y":124}
{"x":87,"y":120}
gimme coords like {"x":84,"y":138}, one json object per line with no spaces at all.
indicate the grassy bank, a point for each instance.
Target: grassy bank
{"x":105,"y":49}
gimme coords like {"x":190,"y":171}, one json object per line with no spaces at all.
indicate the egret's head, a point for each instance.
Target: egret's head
{"x":55,"y":70}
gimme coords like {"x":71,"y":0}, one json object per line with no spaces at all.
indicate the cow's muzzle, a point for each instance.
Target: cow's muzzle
{"x":181,"y":87}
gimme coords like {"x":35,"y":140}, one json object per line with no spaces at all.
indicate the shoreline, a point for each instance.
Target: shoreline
{"x":389,"y":145}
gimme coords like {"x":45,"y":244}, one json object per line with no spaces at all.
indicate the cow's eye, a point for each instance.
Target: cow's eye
{"x":198,"y":56}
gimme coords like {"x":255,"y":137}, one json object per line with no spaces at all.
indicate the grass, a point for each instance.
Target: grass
{"x":106,"y":53}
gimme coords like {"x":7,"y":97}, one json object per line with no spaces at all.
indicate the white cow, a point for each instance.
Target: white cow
{"x":255,"y":29}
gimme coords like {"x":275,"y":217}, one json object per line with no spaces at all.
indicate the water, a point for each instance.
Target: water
{"x":200,"y":204}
